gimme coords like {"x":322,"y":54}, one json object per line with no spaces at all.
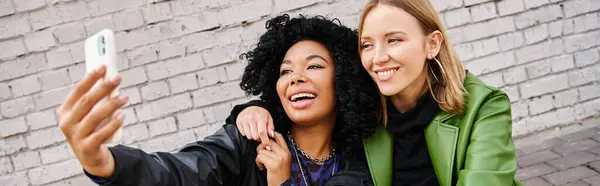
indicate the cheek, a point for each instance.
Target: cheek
{"x":281,"y":87}
{"x":412,"y":55}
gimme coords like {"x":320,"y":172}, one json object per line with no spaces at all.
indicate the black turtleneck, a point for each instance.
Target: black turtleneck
{"x":412,"y":164}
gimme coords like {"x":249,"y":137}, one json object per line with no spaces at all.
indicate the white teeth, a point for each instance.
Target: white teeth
{"x":296,"y":96}
{"x":386,"y":73}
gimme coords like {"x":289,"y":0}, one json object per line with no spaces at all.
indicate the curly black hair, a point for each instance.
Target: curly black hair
{"x":358,"y":102}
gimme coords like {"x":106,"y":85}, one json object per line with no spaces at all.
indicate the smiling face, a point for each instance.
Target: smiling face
{"x":306,"y":83}
{"x":394,"y":53}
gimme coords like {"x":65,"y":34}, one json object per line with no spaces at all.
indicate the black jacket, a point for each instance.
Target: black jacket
{"x":224,"y":158}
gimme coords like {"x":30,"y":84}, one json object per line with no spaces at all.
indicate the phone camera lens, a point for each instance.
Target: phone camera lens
{"x":103,"y":51}
{"x":102,"y":40}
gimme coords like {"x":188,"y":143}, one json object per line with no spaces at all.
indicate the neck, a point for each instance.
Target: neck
{"x":315,"y":139}
{"x":409,"y":97}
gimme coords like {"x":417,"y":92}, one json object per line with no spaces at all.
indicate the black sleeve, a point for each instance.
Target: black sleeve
{"x":219,"y":159}
{"x":238,"y":108}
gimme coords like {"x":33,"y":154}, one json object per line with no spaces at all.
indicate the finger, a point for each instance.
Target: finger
{"x":247,"y":133}
{"x":240,"y":128}
{"x":81,"y":88}
{"x":107,"y":131}
{"x":280,"y":140}
{"x":270,"y":126}
{"x":262,"y":129}
{"x":252,"y":128}
{"x":262,"y":160}
{"x":259,"y":164}
{"x":90,"y":99}
{"x":92,"y":120}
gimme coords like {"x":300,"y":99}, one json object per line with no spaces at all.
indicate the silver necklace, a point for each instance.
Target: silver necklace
{"x":320,"y":160}
{"x":300,"y":164}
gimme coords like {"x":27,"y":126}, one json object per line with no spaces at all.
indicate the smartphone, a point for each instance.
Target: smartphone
{"x":100,"y":49}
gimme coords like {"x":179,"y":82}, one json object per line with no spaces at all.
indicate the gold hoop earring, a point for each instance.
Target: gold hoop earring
{"x":441,"y":69}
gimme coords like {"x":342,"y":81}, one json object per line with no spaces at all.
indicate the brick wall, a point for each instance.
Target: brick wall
{"x":181,"y":71}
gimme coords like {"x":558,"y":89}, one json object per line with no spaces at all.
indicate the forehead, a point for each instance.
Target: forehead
{"x":385,"y":18}
{"x":302,"y":49}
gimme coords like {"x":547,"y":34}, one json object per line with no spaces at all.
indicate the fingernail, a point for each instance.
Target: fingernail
{"x":123,"y":98}
{"x":116,"y":80}
{"x":101,"y":69}
{"x":120,"y":116}
{"x":272,"y":133}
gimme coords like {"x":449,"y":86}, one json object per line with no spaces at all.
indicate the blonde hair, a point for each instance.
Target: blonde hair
{"x":449,"y":91}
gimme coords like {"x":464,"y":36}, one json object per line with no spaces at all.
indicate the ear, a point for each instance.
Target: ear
{"x":433,"y":44}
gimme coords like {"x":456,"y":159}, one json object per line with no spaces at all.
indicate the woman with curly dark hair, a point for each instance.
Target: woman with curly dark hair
{"x":307,"y":69}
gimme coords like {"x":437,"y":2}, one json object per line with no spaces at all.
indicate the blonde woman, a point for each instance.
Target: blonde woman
{"x":444,"y":126}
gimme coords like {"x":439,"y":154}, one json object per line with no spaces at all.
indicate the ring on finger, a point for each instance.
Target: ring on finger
{"x":268,"y":148}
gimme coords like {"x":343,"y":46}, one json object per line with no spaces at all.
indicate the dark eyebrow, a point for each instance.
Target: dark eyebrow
{"x":311,"y":57}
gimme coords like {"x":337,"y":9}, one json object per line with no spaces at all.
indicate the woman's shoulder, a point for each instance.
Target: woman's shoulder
{"x":477,"y":90}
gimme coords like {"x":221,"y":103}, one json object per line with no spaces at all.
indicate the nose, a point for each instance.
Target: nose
{"x":297,"y":79}
{"x":381,"y":55}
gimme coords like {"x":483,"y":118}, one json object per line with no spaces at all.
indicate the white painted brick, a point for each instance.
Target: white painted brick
{"x":25,"y":85}
{"x":535,"y":3}
{"x":538,"y":68}
{"x":240,"y":13}
{"x":208,"y":77}
{"x":483,"y":11}
{"x":544,"y":85}
{"x":142,"y":55}
{"x":11,"y":145}
{"x":78,"y":51}
{"x":170,"y":48}
{"x":455,"y":17}
{"x":485,"y":47}
{"x":183,"y":83}
{"x":42,"y":119}
{"x":491,"y":63}
{"x":515,"y":75}
{"x":51,"y":98}
{"x":536,"y":33}
{"x":133,"y":94}
{"x":587,"y":109}
{"x":592,"y":21}
{"x":59,"y":58}
{"x":108,"y":6}
{"x":28,"y":5}
{"x":191,"y":119}
{"x":6,"y":8}
{"x":187,"y":7}
{"x":220,"y":55}
{"x":123,"y":62}
{"x":74,"y":181}
{"x":222,"y":74}
{"x":50,"y":173}
{"x":520,"y":109}
{"x":44,"y":137}
{"x":5,"y":166}
{"x":474,"y":2}
{"x":200,"y":21}
{"x":155,"y":90}
{"x":566,"y":98}
{"x":540,"y":105}
{"x":70,"y":32}
{"x":22,"y":66}
{"x":94,"y":26}
{"x":135,"y":133}
{"x":221,"y":111}
{"x":207,"y":130}
{"x":130,"y":116}
{"x":55,"y":79}
{"x":536,"y":16}
{"x":573,"y":25}
{"x":173,"y":67}
{"x":140,"y":37}
{"x":14,"y":25}
{"x":76,"y":72}
{"x":224,"y":92}
{"x":12,"y":48}
{"x":465,"y":51}
{"x":511,"y":40}
{"x":441,"y":5}
{"x":251,"y":31}
{"x":488,"y":28}
{"x":26,"y":160}
{"x":54,"y":154}
{"x":12,"y":126}
{"x":577,"y":7}
{"x":169,"y":142}
{"x":209,"y":115}
{"x":163,"y":107}
{"x":15,"y":179}
{"x":555,"y":29}
{"x":198,"y":41}
{"x":589,"y":92}
{"x":44,"y":18}
{"x":72,"y":11}
{"x":162,"y":126}
{"x":582,"y":41}
{"x":235,"y":70}
{"x":4,"y":91}
{"x":539,"y":51}
{"x":133,"y":76}
{"x":559,"y":117}
{"x":40,"y":40}
{"x":507,"y":7}
{"x":286,"y":5}
{"x":128,"y":19}
{"x":512,"y":92}
{"x":157,"y":12}
{"x":586,"y":57}
{"x":584,"y":75}
{"x":562,"y":63}
{"x":16,"y":107}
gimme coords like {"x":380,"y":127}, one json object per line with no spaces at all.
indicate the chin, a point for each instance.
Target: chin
{"x":389,"y":89}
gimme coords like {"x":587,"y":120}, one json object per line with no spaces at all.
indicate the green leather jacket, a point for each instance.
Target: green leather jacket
{"x":475,"y":148}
